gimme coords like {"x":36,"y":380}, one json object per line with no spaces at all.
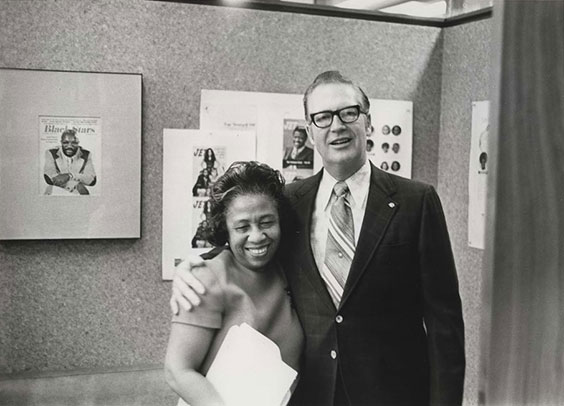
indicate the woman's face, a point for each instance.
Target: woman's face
{"x":209,"y":154}
{"x":253,"y":228}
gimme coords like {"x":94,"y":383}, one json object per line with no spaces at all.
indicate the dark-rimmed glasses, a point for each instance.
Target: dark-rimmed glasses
{"x":347,"y":115}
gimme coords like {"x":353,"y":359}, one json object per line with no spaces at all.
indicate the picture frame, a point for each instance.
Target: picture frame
{"x":70,"y":154}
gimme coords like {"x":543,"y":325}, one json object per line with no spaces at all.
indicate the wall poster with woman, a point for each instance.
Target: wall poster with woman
{"x":208,"y":165}
{"x":193,"y":160}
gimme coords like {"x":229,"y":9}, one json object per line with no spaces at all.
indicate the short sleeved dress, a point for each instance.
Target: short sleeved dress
{"x":235,"y":295}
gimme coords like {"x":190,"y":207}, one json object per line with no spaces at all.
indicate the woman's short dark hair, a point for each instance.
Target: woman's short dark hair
{"x":245,"y":178}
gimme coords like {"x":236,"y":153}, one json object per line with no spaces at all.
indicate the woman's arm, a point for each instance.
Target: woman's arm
{"x":187,"y":348}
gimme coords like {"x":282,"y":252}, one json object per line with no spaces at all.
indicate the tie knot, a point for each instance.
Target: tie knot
{"x":340,"y":189}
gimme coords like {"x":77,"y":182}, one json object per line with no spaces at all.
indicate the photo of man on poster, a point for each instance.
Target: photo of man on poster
{"x":69,"y":166}
{"x":299,"y":154}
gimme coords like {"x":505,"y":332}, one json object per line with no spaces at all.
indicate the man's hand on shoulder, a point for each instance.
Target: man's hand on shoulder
{"x":186,"y":288}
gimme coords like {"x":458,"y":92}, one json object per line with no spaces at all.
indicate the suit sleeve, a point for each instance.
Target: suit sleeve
{"x":442,"y":306}
{"x":50,"y":169}
{"x":87,"y":175}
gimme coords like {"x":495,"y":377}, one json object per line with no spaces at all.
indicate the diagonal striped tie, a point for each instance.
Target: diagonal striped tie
{"x":340,"y":244}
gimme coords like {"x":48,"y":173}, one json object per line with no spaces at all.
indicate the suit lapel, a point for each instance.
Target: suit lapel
{"x":304,"y":201}
{"x":380,"y":209}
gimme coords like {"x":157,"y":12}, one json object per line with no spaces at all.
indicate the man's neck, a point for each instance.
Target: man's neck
{"x":343,"y":172}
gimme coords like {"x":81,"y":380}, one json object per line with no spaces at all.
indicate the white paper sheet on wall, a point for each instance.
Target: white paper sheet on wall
{"x":392,"y":138}
{"x":389,"y":148}
{"x":478,"y":174}
{"x":192,"y":161}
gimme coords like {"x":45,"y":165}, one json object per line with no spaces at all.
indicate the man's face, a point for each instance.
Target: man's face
{"x":69,"y":143}
{"x":299,"y":139}
{"x":342,"y":146}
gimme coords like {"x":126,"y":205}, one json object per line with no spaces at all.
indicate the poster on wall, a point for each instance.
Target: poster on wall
{"x":70,"y":156}
{"x":268,"y":114}
{"x":297,"y":161}
{"x":273,"y":115}
{"x":390,"y":146}
{"x":478,"y":174}
{"x":192,"y":162}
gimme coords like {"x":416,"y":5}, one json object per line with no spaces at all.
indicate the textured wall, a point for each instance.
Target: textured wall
{"x":90,"y":304}
{"x":465,"y":78}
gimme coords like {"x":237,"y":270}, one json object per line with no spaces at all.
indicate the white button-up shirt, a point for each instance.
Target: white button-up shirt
{"x":358,"y":184}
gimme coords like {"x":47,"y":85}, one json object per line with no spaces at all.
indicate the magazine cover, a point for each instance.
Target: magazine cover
{"x":69,"y":156}
{"x":193,"y":160}
{"x":297,"y":161}
{"x":208,"y":165}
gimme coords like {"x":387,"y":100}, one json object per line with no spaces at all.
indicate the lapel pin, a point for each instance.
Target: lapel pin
{"x":391,"y":205}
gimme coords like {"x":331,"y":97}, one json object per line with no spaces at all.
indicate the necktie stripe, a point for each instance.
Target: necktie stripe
{"x":333,"y":286}
{"x":346,"y":228}
{"x":342,"y":237}
{"x":341,"y":245}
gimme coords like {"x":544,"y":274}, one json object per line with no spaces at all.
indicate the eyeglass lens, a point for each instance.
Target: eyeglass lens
{"x":347,"y":115}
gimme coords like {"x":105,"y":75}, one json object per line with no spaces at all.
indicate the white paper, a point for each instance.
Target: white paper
{"x":267,"y":113}
{"x":248,"y":370}
{"x":263,"y":112}
{"x":478,"y":174}
{"x":392,"y":136}
{"x":184,"y":204}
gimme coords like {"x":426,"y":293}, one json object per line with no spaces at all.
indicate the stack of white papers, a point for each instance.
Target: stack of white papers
{"x":248,"y":370}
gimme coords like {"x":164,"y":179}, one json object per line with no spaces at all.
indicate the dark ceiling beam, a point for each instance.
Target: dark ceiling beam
{"x":331,"y":11}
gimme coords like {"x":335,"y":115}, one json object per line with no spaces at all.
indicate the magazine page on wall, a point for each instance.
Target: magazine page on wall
{"x":298,"y":158}
{"x":70,"y":156}
{"x":192,"y":162}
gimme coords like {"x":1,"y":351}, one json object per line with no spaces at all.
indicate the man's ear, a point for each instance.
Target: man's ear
{"x":369,"y":128}
{"x":309,"y":133}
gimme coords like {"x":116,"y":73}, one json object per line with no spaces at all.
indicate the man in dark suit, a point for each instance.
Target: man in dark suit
{"x":391,"y":332}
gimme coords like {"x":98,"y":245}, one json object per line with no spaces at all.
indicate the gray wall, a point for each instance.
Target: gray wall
{"x":74,"y":304}
{"x":97,"y":304}
{"x":465,"y":78}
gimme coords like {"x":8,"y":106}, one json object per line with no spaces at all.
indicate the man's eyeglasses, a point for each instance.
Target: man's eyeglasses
{"x":347,"y":115}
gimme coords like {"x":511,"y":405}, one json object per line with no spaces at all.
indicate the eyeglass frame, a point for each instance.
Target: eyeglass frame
{"x":337,"y":113}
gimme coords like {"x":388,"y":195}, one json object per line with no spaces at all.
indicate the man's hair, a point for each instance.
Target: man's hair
{"x":335,"y":77}
{"x":301,"y":130}
{"x":71,"y":132}
{"x":245,"y":178}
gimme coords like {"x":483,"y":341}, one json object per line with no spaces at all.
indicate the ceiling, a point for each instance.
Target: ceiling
{"x":418,"y":9}
{"x":415,"y":8}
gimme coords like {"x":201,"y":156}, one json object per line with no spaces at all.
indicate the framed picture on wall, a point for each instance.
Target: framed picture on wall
{"x":70,"y":154}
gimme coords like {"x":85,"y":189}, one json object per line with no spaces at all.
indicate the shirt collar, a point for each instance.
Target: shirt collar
{"x":358,"y":183}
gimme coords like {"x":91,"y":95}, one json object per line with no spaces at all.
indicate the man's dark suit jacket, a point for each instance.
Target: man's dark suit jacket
{"x":401,"y":337}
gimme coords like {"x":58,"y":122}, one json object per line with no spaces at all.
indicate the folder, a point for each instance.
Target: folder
{"x":248,"y":370}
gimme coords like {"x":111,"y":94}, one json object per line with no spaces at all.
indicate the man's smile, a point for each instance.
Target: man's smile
{"x":340,"y":141}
